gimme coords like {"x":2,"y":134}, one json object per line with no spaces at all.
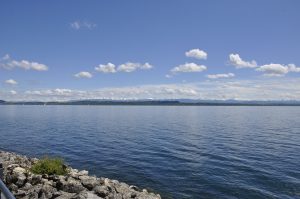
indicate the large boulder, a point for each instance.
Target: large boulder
{"x":70,"y":185}
{"x":35,"y":179}
{"x":48,"y":190}
{"x":102,"y":191}
{"x":19,"y":176}
{"x":89,"y":182}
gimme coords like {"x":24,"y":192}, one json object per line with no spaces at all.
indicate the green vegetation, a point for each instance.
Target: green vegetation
{"x":50,"y":166}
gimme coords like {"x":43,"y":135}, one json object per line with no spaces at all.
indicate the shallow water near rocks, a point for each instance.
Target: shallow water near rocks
{"x":179,"y":152}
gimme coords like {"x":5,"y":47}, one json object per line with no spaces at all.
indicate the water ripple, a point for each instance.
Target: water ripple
{"x":180,"y":152}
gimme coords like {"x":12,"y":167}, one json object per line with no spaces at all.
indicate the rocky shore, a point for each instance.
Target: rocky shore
{"x":75,"y":185}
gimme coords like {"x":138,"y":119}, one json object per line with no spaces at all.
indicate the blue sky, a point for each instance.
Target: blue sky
{"x":157,"y":49}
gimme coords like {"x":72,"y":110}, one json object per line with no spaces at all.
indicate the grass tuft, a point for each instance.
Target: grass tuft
{"x":49,"y":166}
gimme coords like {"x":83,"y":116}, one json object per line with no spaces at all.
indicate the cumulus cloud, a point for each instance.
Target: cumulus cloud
{"x":196,"y":53}
{"x":217,"y":76}
{"x":127,"y":67}
{"x":277,"y":69}
{"x":11,"y":82}
{"x":8,"y":63}
{"x":130,"y":67}
{"x":293,"y":68}
{"x":273,"y":69}
{"x":106,"y":68}
{"x":83,"y":74}
{"x":83,"y":24}
{"x":238,"y":62}
{"x":188,"y":68}
{"x":146,"y":66}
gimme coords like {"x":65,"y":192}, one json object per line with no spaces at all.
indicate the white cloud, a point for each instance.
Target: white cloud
{"x":13,"y":92}
{"x":278,"y":69}
{"x":6,"y":57}
{"x":11,"y":82}
{"x":106,"y":68}
{"x":127,"y":67}
{"x":8,"y":63}
{"x":273,"y":69}
{"x":196,"y":53}
{"x":146,"y":66}
{"x":130,"y":67}
{"x":83,"y":24}
{"x":83,"y":74}
{"x":255,"y":89}
{"x":237,"y":61}
{"x":217,"y":76}
{"x":137,"y":92}
{"x":75,"y":25}
{"x":188,"y":68}
{"x":293,"y":68}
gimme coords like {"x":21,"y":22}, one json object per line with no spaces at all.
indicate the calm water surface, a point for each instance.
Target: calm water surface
{"x":180,"y":152}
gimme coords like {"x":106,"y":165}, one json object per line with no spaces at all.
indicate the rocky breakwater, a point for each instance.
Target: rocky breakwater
{"x":75,"y":184}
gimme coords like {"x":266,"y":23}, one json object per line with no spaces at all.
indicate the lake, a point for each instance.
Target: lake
{"x":177,"y":151}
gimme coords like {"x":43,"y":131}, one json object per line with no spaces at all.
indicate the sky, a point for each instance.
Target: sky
{"x":138,"y":49}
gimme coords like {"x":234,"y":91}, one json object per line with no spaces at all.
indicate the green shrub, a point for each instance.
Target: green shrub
{"x":50,"y":166}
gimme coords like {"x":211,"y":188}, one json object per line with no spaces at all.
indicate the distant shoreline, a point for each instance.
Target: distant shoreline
{"x":143,"y":104}
{"x":167,"y":102}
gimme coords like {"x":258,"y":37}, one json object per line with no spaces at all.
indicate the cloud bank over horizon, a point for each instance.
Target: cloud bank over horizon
{"x":259,"y":89}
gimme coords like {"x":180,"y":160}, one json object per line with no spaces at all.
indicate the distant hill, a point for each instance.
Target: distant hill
{"x":2,"y":101}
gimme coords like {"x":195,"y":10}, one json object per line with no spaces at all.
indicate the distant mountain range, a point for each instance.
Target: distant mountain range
{"x":178,"y":102}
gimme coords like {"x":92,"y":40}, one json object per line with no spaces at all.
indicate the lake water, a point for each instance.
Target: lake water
{"x":179,"y":152}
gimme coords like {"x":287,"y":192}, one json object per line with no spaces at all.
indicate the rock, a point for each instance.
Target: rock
{"x":89,"y":182}
{"x":116,"y":196}
{"x":55,"y":178}
{"x":71,"y":185}
{"x":32,"y":195}
{"x":83,"y":173}
{"x":81,"y":195}
{"x":129,"y":194}
{"x":122,"y":187}
{"x":45,"y":176}
{"x":135,"y":188}
{"x":102,"y":191}
{"x":61,"y":178}
{"x":107,"y":181}
{"x":13,"y":187}
{"x":20,"y":193}
{"x":35,"y":179}
{"x":19,"y":176}
{"x":65,"y":195}
{"x":27,"y":186}
{"x":73,"y":173}
{"x":48,"y":190}
{"x":35,"y":191}
{"x":75,"y":185}
{"x":142,"y":195}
